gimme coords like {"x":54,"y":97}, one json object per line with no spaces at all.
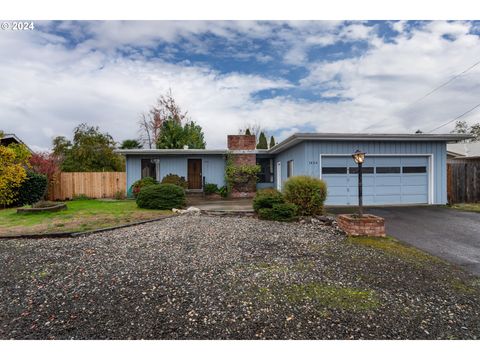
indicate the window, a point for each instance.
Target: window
{"x":388,"y":170}
{"x":334,"y":170}
{"x":149,"y":168}
{"x":365,"y":170}
{"x":266,"y":170}
{"x":414,"y":169}
{"x":289,"y":168}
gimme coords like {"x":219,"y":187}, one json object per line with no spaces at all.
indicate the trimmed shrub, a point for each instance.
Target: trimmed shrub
{"x":33,"y":189}
{"x":266,"y":198}
{"x":223,"y":191}
{"x":210,"y":189}
{"x":161,"y":196}
{"x":279,"y":212}
{"x":176,"y":180}
{"x":307,"y":192}
{"x":139,"y":184}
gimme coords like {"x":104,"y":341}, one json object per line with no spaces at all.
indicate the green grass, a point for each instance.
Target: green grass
{"x":323,"y":296}
{"x":393,"y":247}
{"x":81,"y":215}
{"x":473,"y":207}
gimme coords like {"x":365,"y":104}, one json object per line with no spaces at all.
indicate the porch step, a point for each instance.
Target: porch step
{"x":248,"y":213}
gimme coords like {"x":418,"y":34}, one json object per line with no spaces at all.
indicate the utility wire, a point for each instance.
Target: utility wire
{"x":434,"y":90}
{"x":444,"y":84}
{"x":458,"y":117}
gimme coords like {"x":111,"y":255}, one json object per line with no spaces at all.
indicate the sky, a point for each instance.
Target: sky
{"x":289,"y":76}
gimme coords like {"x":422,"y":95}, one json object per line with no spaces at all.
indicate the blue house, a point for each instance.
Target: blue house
{"x":398,"y":168}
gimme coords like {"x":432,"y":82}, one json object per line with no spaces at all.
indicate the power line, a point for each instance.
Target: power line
{"x":458,"y":117}
{"x":444,"y":84}
{"x":433,"y":90}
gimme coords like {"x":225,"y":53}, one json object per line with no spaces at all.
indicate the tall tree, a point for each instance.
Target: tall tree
{"x":91,"y":150}
{"x":166,"y":108}
{"x":247,"y":132}
{"x":262,"y":141}
{"x":130,"y":144}
{"x":461,"y":127}
{"x":272,"y":142}
{"x":175,"y":136}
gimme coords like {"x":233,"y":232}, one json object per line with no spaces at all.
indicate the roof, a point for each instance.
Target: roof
{"x":185,"y":151}
{"x":13,"y":136}
{"x":299,"y":137}
{"x":469,"y":149}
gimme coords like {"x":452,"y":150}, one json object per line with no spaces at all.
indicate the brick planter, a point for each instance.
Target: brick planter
{"x":367,"y":225}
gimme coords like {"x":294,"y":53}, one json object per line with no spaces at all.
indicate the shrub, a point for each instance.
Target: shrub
{"x":223,"y":191}
{"x":307,"y":192}
{"x":161,"y":196}
{"x":32,"y":189}
{"x":210,"y":189}
{"x":279,"y":212}
{"x":266,"y":198}
{"x":139,"y":184}
{"x":176,"y":180}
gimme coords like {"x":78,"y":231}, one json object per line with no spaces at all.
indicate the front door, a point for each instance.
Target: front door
{"x":194,"y":173}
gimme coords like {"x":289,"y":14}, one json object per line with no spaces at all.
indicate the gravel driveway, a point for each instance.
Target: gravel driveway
{"x":205,"y":277}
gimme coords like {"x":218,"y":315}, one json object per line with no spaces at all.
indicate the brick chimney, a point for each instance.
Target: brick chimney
{"x":241,"y":142}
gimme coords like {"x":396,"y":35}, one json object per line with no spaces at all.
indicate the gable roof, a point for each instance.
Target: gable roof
{"x":16,"y":139}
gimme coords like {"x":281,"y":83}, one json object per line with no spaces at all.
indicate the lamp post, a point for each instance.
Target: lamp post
{"x":359,"y":158}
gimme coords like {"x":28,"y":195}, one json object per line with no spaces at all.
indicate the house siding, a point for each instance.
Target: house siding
{"x":295,"y":153}
{"x":213,"y":167}
{"x":313,"y":150}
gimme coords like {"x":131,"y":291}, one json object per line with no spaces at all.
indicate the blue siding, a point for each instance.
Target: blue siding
{"x":313,"y":149}
{"x":295,"y":153}
{"x":213,"y":167}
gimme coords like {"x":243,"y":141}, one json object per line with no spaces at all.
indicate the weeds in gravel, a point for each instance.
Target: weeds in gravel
{"x":393,"y":247}
{"x":322,"y":296}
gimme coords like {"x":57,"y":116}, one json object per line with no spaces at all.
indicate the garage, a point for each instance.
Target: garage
{"x":387,"y":180}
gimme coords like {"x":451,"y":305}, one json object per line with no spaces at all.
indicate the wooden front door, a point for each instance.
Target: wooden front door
{"x":194,"y":173}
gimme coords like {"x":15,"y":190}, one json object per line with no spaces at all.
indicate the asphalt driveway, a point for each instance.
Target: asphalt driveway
{"x":447,"y":233}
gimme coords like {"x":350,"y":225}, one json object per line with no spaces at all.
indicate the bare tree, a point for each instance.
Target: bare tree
{"x":151,"y":122}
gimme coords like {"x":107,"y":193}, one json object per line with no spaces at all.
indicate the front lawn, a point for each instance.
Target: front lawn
{"x":81,"y":215}
{"x":474,"y":207}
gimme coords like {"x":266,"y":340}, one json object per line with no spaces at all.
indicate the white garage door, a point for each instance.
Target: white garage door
{"x":387,"y":180}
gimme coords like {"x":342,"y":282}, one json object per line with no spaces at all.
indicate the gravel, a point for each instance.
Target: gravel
{"x":207,"y":277}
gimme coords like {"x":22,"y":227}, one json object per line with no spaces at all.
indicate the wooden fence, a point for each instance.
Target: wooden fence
{"x":463,"y":181}
{"x":92,"y":184}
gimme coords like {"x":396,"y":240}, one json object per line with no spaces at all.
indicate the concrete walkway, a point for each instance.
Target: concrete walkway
{"x":221,"y":205}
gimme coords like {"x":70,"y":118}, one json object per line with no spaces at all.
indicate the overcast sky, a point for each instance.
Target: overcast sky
{"x":290,"y":77}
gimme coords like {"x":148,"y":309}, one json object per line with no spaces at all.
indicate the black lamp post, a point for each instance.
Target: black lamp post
{"x":359,"y":158}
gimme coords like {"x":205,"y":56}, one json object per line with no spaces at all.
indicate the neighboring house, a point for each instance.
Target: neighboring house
{"x":463,"y":151}
{"x":8,"y":139}
{"x":398,"y":168}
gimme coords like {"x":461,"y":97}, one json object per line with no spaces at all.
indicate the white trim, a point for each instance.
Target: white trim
{"x":279,"y":175}
{"x":431,"y":177}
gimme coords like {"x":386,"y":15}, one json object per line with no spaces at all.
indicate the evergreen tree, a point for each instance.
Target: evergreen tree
{"x":272,"y":142}
{"x":262,"y":141}
{"x":247,"y":132}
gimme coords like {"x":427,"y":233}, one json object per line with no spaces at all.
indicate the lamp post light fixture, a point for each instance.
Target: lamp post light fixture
{"x":359,"y":157}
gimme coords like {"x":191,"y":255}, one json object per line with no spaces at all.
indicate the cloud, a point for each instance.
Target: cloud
{"x":107,"y":73}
